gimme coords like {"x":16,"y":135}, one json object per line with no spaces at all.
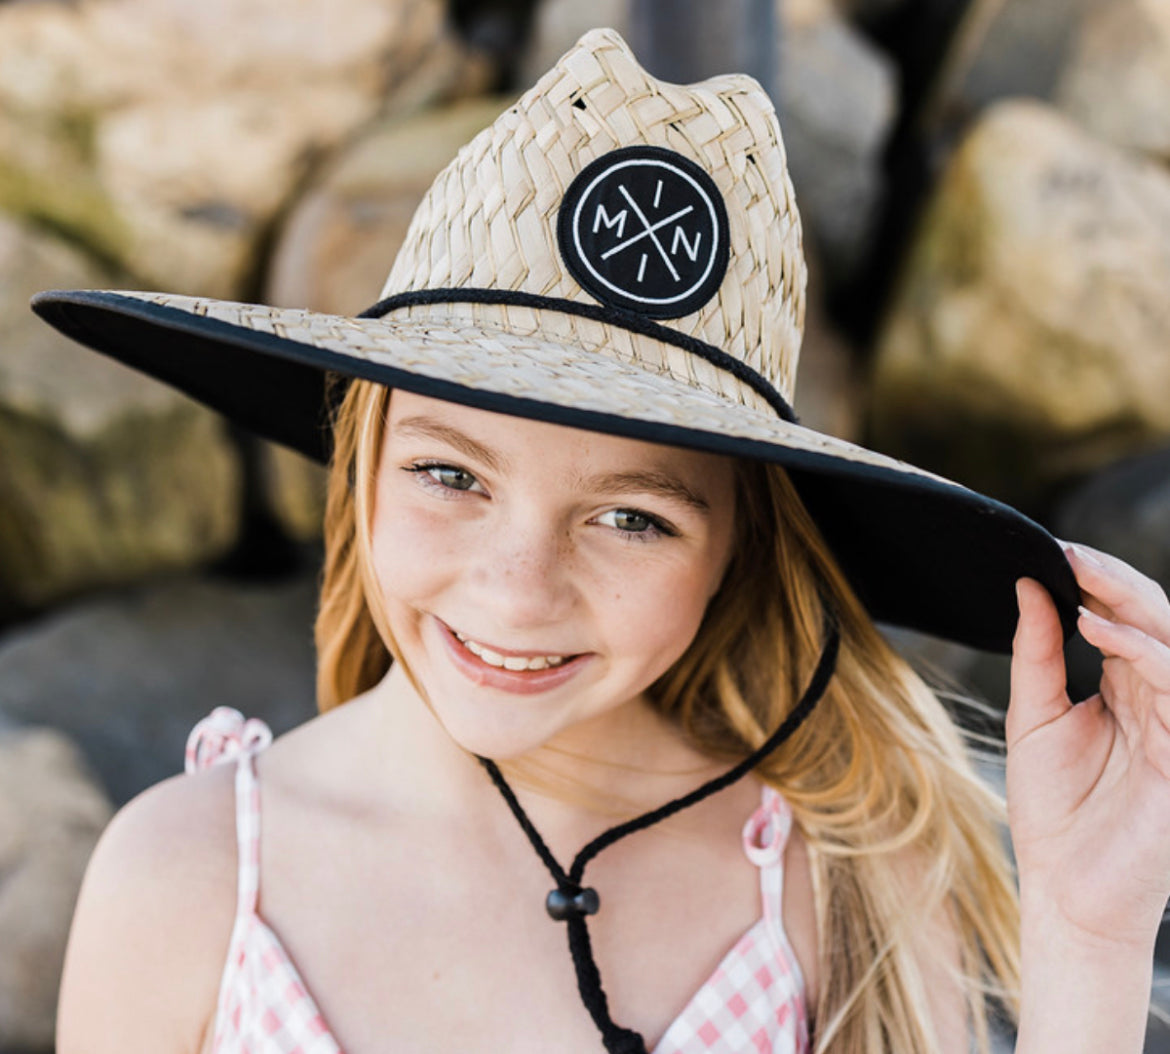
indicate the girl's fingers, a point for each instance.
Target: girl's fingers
{"x":1039,"y":692}
{"x":1149,"y":657}
{"x":1117,"y":591}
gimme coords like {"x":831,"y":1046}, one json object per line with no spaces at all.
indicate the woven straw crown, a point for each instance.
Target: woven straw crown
{"x":490,"y":219}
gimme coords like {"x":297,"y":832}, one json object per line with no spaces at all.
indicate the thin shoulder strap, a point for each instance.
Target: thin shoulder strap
{"x":225,"y":735}
{"x":247,"y":834}
{"x":765,"y":837}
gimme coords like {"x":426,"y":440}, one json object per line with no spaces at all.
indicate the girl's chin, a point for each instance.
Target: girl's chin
{"x":496,"y":741}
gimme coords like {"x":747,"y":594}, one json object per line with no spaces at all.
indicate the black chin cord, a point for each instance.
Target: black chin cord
{"x":570,"y":902}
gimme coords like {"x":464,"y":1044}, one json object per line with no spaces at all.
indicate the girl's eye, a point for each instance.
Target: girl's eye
{"x":634,"y":523}
{"x":449,"y":477}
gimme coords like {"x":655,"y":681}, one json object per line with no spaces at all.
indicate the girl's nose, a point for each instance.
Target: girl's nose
{"x":524,"y":572}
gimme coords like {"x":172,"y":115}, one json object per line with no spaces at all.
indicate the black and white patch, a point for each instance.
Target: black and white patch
{"x":645,"y":229}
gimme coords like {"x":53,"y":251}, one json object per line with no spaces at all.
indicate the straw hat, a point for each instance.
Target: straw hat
{"x":624,"y":255}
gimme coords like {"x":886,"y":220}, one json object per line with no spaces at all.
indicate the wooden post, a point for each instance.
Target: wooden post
{"x":687,"y":40}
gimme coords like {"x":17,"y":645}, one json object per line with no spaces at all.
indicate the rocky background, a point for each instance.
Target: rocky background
{"x":986,"y":195}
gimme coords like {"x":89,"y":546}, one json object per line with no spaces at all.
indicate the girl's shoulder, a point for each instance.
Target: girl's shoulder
{"x":155,"y":914}
{"x":159,"y":891}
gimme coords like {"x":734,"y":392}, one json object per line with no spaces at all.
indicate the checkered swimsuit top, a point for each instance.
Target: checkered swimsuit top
{"x":754,"y":1001}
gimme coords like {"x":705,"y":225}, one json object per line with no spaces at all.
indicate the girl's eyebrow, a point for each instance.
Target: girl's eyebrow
{"x":432,"y":429}
{"x":648,"y":481}
{"x":636,"y":481}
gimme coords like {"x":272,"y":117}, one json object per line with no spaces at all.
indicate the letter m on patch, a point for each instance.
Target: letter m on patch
{"x":601,"y":216}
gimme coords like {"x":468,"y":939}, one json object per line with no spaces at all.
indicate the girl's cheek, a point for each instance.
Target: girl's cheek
{"x":412,"y":544}
{"x":662,"y":615}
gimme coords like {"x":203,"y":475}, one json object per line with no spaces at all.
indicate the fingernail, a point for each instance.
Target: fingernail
{"x":1083,"y":554}
{"x":1092,"y":616}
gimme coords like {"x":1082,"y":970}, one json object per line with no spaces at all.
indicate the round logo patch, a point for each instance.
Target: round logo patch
{"x":645,"y":229}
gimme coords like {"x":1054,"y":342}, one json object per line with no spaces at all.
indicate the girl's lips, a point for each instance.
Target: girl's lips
{"x":520,"y":682}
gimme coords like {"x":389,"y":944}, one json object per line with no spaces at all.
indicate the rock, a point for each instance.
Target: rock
{"x":1026,"y":344}
{"x":1125,"y":510}
{"x":128,"y":676}
{"x":559,"y":24}
{"x":169,"y":136}
{"x":341,"y":240}
{"x":829,"y":395}
{"x":1117,"y":82}
{"x":868,"y":11}
{"x":106,"y":475}
{"x":51,"y":814}
{"x":838,"y":101}
{"x":1004,"y":50}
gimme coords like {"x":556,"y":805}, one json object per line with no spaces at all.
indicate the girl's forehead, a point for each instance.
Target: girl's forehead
{"x":501,"y":438}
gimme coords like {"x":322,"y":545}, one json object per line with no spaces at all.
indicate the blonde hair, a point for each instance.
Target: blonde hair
{"x":879,"y":775}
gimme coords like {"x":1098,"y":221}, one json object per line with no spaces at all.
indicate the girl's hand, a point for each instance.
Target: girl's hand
{"x":1088,"y":786}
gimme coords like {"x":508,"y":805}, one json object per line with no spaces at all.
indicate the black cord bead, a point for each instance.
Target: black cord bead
{"x":563,"y":904}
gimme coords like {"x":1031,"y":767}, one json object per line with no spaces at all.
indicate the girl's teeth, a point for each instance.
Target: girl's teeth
{"x":510,"y":662}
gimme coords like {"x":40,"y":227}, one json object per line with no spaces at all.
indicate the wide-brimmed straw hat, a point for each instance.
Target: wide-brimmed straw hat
{"x":623,"y":255}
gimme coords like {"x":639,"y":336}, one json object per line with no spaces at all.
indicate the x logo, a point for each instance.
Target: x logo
{"x":646,"y":230}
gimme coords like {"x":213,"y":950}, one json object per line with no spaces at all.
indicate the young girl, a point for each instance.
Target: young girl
{"x":597,"y":661}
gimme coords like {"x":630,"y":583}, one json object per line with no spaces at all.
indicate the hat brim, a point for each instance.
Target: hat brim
{"x":921,"y":551}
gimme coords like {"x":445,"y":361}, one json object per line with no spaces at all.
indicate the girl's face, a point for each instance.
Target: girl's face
{"x":537,"y":578}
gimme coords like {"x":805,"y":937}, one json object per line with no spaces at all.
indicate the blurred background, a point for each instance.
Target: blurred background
{"x":986,"y":200}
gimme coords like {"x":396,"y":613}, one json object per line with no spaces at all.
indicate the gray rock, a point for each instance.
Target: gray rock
{"x":559,"y":24}
{"x":837,"y":100}
{"x":829,"y":389}
{"x":128,"y":676}
{"x":1026,"y":344}
{"x":51,"y":814}
{"x":1004,"y":50}
{"x":1125,"y":510}
{"x":864,"y":11}
{"x":105,"y":475}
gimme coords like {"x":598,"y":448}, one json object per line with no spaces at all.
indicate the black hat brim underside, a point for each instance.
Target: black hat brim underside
{"x":920,"y":553}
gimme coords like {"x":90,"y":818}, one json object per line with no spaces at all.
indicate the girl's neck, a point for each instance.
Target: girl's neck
{"x":595,"y":774}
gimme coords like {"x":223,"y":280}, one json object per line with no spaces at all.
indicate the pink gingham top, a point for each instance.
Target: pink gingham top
{"x":753,"y":1002}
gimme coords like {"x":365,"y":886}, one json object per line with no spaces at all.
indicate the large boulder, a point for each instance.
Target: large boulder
{"x":1117,"y":82}
{"x":51,"y":814}
{"x":1027,"y":342}
{"x":169,"y":135}
{"x":128,"y":676}
{"x":105,"y":476}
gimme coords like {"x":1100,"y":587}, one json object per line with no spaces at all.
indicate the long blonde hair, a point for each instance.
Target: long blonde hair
{"x":877,"y":777}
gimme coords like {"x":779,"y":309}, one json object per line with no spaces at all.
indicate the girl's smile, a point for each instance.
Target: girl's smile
{"x":524,"y":673}
{"x":550,"y":573}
